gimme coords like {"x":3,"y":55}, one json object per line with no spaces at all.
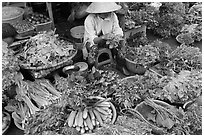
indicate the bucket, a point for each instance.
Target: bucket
{"x":12,"y":15}
{"x":77,"y":32}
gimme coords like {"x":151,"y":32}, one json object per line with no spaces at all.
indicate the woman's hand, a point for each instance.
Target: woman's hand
{"x":108,"y":36}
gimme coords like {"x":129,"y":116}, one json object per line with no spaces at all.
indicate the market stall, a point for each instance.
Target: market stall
{"x":48,"y":88}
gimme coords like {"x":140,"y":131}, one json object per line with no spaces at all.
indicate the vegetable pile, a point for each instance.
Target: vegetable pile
{"x":30,"y":98}
{"x":143,"y":54}
{"x":166,"y":21}
{"x":37,"y":18}
{"x":90,"y":117}
{"x":23,"y":26}
{"x":166,"y":99}
{"x":9,"y":67}
{"x":184,"y":58}
{"x":46,"y":50}
{"x":6,"y":119}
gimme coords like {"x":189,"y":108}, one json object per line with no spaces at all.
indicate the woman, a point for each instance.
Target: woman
{"x":100,"y":25}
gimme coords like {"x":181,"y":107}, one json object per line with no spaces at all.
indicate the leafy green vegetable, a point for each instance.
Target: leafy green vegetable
{"x":142,"y":55}
{"x":51,"y":120}
{"x":125,"y":126}
{"x":185,"y":58}
{"x":46,"y":49}
{"x":10,"y":67}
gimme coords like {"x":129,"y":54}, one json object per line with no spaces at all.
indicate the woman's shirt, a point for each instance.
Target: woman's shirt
{"x":94,"y":25}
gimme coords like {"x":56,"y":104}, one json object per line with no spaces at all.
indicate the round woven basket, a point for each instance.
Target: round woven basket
{"x":13,"y":18}
{"x":54,"y":66}
{"x":68,"y":61}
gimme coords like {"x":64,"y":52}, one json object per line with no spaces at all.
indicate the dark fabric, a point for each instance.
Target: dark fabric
{"x":8,"y":31}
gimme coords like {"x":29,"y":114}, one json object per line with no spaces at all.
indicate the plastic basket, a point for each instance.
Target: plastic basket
{"x":44,"y":26}
{"x":12,"y":19}
{"x":27,"y":31}
{"x":77,"y":32}
{"x":134,"y":67}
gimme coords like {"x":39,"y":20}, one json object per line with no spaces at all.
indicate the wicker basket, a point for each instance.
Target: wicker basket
{"x":13,"y":19}
{"x":29,"y":31}
{"x":42,"y":71}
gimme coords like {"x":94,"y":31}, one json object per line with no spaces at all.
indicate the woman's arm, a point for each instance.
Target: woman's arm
{"x":117,"y":30}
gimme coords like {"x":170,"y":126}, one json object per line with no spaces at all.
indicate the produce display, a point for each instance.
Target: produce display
{"x":9,"y":67}
{"x":166,"y":99}
{"x":46,"y":50}
{"x":184,"y":58}
{"x":37,"y":18}
{"x":30,"y":98}
{"x":6,"y":120}
{"x":190,"y":34}
{"x":23,"y":26}
{"x":90,"y":117}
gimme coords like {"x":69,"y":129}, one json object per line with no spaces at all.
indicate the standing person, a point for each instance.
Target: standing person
{"x":100,"y":25}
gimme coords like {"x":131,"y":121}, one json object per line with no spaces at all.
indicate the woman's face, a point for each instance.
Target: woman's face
{"x":104,"y":15}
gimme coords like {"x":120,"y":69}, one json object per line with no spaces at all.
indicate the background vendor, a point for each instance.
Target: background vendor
{"x":100,"y":25}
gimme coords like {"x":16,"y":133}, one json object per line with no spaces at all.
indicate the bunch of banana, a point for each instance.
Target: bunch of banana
{"x":86,"y":119}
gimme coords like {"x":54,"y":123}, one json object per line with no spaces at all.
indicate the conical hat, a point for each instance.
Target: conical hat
{"x":102,"y":7}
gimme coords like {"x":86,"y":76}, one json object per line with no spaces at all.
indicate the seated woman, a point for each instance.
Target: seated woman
{"x":100,"y":25}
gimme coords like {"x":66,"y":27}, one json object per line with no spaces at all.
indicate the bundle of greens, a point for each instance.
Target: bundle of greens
{"x":185,"y":58}
{"x":20,"y":112}
{"x":51,"y":120}
{"x":114,"y":42}
{"x":30,"y":98}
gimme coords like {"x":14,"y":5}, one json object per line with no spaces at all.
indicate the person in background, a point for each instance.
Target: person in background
{"x":8,"y":33}
{"x":121,"y":14}
{"x":100,"y":25}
